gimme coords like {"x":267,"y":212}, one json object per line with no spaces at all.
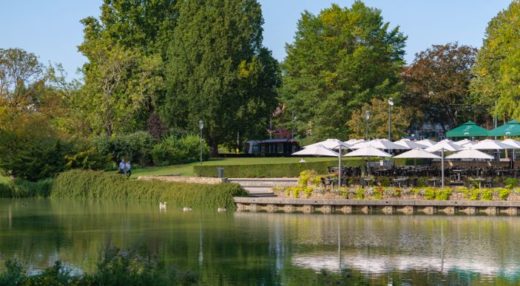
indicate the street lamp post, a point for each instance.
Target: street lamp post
{"x":367,"y":117}
{"x":201,"y":126}
{"x":390,"y":104}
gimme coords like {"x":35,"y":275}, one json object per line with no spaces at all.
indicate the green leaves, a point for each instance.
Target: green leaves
{"x":340,"y":59}
{"x":437,"y":86}
{"x":497,"y":76}
{"x":218,"y":71}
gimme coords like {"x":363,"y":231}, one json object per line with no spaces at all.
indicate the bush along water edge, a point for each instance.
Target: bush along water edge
{"x":94,"y":185}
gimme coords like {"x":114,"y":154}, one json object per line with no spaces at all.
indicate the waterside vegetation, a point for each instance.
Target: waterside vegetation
{"x":116,"y":267}
{"x":98,"y":185}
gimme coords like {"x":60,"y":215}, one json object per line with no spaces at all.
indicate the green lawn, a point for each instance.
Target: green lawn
{"x":187,"y":169}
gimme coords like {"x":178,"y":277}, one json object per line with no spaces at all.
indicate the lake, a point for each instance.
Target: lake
{"x":268,"y":249}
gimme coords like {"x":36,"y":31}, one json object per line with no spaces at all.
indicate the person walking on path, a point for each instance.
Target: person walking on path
{"x":128,"y":169}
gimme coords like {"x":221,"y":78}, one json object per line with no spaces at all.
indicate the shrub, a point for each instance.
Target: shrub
{"x":486,"y":194}
{"x":174,"y":151}
{"x":473,"y":194}
{"x":378,"y":193}
{"x":91,"y":155}
{"x":360,"y":193}
{"x":33,"y":159}
{"x":101,"y":185}
{"x":443,"y":194}
{"x":510,"y":183}
{"x":503,"y":194}
{"x":20,"y":188}
{"x":429,"y":193}
{"x":135,"y":147}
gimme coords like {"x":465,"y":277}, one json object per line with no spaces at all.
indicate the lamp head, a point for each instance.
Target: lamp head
{"x":201,"y":124}
{"x":390,"y":102}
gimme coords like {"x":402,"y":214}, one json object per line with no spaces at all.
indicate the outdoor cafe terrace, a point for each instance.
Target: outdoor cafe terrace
{"x":466,"y":162}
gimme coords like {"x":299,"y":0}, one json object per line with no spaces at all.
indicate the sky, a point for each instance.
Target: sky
{"x":51,"y":29}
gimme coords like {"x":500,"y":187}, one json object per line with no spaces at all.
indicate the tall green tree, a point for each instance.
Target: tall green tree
{"x":497,"y":76}
{"x":376,"y":126}
{"x":219,"y":72}
{"x":339,"y":60}
{"x":125,"y":49}
{"x":437,"y":86}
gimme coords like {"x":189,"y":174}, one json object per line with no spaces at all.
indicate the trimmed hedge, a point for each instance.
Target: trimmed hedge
{"x":272,"y":170}
{"x":100,"y":185}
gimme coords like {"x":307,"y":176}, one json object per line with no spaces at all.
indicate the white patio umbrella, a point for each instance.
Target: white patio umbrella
{"x":417,"y":154}
{"x":426,"y":143}
{"x":316,"y":150}
{"x":470,"y":154}
{"x":514,"y":145}
{"x":367,"y":152}
{"x":383,"y":144}
{"x":409,"y":144}
{"x":354,"y":141}
{"x":464,"y":142}
{"x":444,"y":145}
{"x":490,"y":144}
{"x":335,"y":144}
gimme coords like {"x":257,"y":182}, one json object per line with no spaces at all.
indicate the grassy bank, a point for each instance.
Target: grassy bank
{"x":99,"y":185}
{"x":188,"y":169}
{"x":229,"y":163}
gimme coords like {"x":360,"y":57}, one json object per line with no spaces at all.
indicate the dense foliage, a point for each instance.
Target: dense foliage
{"x":125,"y":49}
{"x":376,"y":126}
{"x":174,"y":150}
{"x":497,"y":77}
{"x":340,"y":59}
{"x":19,"y":188}
{"x":219,"y":72}
{"x":437,"y":87}
{"x":99,"y":185}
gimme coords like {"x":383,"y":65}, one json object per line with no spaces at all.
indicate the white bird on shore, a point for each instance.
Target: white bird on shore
{"x":162,"y":206}
{"x":221,"y":210}
{"x":186,"y":209}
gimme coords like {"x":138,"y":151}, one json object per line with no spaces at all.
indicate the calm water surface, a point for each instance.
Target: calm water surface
{"x":269,"y":249}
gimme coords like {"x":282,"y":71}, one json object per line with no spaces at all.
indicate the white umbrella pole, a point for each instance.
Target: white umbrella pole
{"x":339,"y":166}
{"x":442,"y":168}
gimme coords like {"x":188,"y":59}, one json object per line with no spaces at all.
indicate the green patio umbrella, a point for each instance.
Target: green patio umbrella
{"x":511,"y":128}
{"x":468,"y":129}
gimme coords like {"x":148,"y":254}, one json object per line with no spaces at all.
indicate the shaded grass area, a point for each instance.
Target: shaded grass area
{"x":188,"y":169}
{"x":95,"y":185}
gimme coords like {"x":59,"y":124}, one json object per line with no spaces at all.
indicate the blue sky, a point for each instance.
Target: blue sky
{"x":51,"y":28}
